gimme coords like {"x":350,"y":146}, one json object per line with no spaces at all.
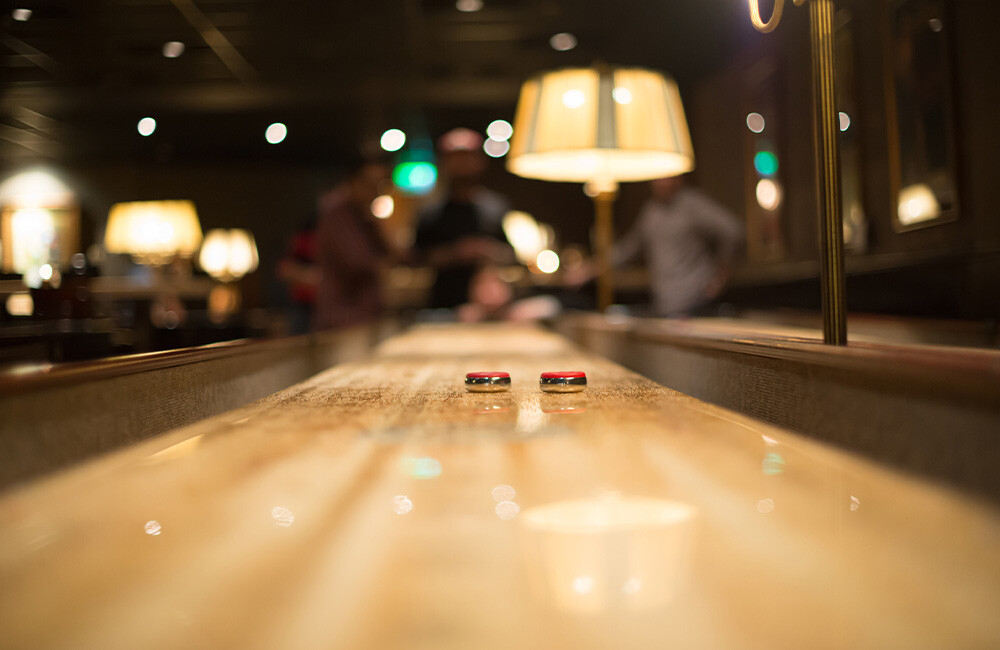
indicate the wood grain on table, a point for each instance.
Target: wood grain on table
{"x":380,"y":505}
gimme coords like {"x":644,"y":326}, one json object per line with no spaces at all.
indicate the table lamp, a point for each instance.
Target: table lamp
{"x":601,"y":126}
{"x":154,"y":233}
{"x":227,"y":255}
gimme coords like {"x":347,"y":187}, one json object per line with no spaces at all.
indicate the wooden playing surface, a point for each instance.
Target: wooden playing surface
{"x":380,"y":505}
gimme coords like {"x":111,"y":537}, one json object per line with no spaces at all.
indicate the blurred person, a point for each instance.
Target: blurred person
{"x":301,"y":274}
{"x":491,"y":298}
{"x":689,"y":243}
{"x":463,"y":231}
{"x":351,"y":249}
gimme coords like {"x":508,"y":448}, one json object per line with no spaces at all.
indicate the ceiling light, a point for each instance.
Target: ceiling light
{"x":276,"y":133}
{"x":563,"y":41}
{"x":173,"y":49}
{"x":500,"y":130}
{"x":393,"y":140}
{"x":146,"y":126}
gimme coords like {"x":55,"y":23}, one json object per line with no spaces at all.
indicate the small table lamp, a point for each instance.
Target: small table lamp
{"x":227,"y":255}
{"x":153,"y":232}
{"x":600,"y":126}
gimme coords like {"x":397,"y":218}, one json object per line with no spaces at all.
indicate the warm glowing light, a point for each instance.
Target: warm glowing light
{"x":503,"y":492}
{"x":20,"y":304}
{"x":496,"y":148}
{"x":228,"y":254}
{"x":855,"y":504}
{"x":393,"y":140}
{"x":583,"y":584}
{"x":469,"y":6}
{"x":569,"y":127}
{"x":632,"y":586}
{"x":21,"y":15}
{"x":525,"y":235}
{"x":547,"y":261}
{"x":173,"y":49}
{"x":507,"y":510}
{"x":282,"y":516}
{"x":934,"y":23}
{"x":146,"y":126}
{"x":500,"y":130}
{"x":622,"y":95}
{"x":33,"y":233}
{"x":153,"y":231}
{"x":276,"y":133}
{"x":755,"y":122}
{"x":917,"y":203}
{"x":383,"y":206}
{"x":563,"y":42}
{"x":768,"y":194}
{"x":573,"y":98}
{"x":415,"y":177}
{"x":153,"y":527}
{"x":766,"y":163}
{"x":401,"y":504}
{"x":35,"y":189}
{"x":845,"y":121}
{"x":45,"y":272}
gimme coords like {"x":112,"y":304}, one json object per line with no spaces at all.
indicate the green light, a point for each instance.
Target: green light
{"x":415,"y":177}
{"x":766,"y":163}
{"x":422,"y":468}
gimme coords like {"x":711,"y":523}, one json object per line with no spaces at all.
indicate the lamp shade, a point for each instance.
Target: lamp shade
{"x":600,"y":124}
{"x":153,"y":231}
{"x":228,"y":253}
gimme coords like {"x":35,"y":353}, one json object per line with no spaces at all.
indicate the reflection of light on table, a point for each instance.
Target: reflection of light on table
{"x":611,"y":553}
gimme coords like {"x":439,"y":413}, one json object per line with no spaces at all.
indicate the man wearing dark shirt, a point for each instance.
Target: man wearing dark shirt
{"x":462,"y":232}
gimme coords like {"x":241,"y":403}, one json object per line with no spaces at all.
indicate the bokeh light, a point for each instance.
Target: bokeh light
{"x":768,"y":194}
{"x":383,"y":206}
{"x":496,"y":148}
{"x":469,"y":6}
{"x":21,"y":15}
{"x":845,"y":121}
{"x":276,"y":133}
{"x":755,"y":122}
{"x":417,"y":177}
{"x":622,"y":95}
{"x":500,"y":130}
{"x":173,"y":49}
{"x":766,"y":163}
{"x":547,"y":261}
{"x":146,"y":126}
{"x":562,"y":42}
{"x":393,"y":140}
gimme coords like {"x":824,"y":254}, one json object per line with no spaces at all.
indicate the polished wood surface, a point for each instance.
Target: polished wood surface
{"x":380,"y":505}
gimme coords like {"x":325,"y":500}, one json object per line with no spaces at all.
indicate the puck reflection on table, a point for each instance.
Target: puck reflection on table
{"x":487,"y":382}
{"x":563,"y":381}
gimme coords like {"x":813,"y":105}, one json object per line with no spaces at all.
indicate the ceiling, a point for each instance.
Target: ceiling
{"x":77,"y":76}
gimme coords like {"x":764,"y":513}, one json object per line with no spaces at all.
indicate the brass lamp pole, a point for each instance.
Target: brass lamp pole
{"x":827,"y":161}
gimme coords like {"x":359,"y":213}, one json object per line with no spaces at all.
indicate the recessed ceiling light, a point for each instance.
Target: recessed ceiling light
{"x":563,"y":41}
{"x":276,"y":133}
{"x":146,"y":126}
{"x":173,"y":49}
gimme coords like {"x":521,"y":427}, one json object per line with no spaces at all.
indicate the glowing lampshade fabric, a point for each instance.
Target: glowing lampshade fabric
{"x":153,"y":231}
{"x":584,"y":124}
{"x":228,"y":253}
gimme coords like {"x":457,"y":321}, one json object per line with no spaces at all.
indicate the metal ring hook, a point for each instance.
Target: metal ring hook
{"x":775,"y":18}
